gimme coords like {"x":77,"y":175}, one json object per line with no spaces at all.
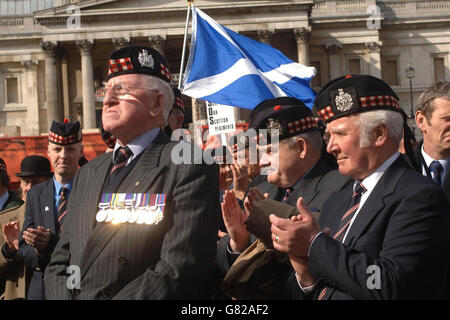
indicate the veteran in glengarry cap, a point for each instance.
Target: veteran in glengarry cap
{"x":157,"y":240}
{"x":388,"y":229}
{"x":46,"y":202}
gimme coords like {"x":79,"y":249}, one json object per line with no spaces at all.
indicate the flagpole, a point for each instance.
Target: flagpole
{"x":184,"y":43}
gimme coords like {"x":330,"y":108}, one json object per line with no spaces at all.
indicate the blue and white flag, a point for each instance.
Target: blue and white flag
{"x":228,"y":68}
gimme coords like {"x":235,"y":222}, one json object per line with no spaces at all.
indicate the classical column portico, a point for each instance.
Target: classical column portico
{"x":87,"y":71}
{"x":334,"y":58}
{"x":51,"y":84}
{"x":32,"y":97}
{"x":375,"y":58}
{"x":302,"y":37}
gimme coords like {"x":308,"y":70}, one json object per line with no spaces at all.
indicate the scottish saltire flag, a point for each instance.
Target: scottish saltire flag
{"x":227,"y":68}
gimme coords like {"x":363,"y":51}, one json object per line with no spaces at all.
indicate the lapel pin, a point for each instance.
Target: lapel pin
{"x":137,"y":183}
{"x":46,"y":208}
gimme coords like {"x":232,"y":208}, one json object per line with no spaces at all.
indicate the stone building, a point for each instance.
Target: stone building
{"x":53,"y":53}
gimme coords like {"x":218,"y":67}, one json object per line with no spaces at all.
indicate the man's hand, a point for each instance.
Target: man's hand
{"x":294,"y":236}
{"x":240,"y":179}
{"x":234,"y":218}
{"x":11,"y":236}
{"x":37,"y":238}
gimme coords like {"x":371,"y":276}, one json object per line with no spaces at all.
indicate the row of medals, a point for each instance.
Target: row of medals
{"x":142,"y":215}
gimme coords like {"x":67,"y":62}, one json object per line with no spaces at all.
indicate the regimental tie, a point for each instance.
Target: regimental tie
{"x":122,"y":156}
{"x":436,"y":170}
{"x":359,"y":189}
{"x":62,"y":206}
{"x":287,"y":193}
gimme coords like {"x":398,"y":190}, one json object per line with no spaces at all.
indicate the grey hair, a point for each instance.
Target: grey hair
{"x":314,"y":138}
{"x":371,"y":119}
{"x":440,"y":89}
{"x":162,"y":86}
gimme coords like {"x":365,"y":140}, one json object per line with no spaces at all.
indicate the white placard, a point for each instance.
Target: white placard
{"x":220,"y":118}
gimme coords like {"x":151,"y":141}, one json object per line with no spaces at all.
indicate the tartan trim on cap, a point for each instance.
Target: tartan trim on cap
{"x":302,"y":124}
{"x":117,"y":65}
{"x":370,"y":101}
{"x":166,"y":73}
{"x":375,"y":101}
{"x":326,"y":113}
{"x":70,"y":139}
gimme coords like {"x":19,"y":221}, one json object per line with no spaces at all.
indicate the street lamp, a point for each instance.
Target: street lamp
{"x":410,"y":74}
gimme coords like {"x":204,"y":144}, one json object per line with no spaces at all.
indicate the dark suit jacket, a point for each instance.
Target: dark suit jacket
{"x":129,"y":261}
{"x":39,"y":212}
{"x":316,"y":187}
{"x":445,"y":183}
{"x":402,"y":229}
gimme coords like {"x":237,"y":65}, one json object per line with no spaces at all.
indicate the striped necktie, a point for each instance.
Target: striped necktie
{"x":62,"y":206}
{"x":122,"y":155}
{"x":346,"y":219}
{"x":436,"y":170}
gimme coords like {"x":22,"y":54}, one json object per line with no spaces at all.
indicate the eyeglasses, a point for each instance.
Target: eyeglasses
{"x":118,"y":90}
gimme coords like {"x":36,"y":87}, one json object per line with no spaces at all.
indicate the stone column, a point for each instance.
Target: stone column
{"x":121,"y":42}
{"x":51,"y":83}
{"x":32,"y":97}
{"x":266,"y":35}
{"x":302,"y":37}
{"x":87,"y":76}
{"x":158,"y":43}
{"x":65,"y":85}
{"x":374,"y":59}
{"x":334,"y":58}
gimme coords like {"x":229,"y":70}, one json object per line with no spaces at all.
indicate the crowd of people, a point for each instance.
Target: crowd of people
{"x":343,"y":204}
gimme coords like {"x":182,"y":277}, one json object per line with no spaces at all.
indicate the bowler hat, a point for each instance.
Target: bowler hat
{"x":33,"y":166}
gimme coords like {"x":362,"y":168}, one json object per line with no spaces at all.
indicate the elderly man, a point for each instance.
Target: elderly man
{"x":13,"y":276}
{"x":389,"y":228}
{"x":176,"y":116}
{"x":294,"y":169}
{"x":433,"y":119}
{"x":139,"y":226}
{"x":46,"y":203}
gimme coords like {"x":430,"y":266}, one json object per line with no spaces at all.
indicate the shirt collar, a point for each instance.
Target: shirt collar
{"x":139,"y":144}
{"x":58,"y":186}
{"x":444,"y":162}
{"x":372,"y":179}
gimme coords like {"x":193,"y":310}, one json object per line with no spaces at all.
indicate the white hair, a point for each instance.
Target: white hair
{"x":368,"y":121}
{"x":314,"y":139}
{"x":154,"y":83}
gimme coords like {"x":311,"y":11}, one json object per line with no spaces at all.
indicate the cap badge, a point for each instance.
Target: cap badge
{"x":146,"y":59}
{"x":274,"y":125}
{"x":343,"y":101}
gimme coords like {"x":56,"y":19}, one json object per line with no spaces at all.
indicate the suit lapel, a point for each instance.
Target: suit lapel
{"x":135,"y":182}
{"x":375,"y":203}
{"x":47,"y":207}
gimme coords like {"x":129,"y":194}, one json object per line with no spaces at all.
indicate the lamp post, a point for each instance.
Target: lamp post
{"x":410,"y":75}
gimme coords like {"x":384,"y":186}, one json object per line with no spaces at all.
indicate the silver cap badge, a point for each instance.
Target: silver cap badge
{"x":146,"y":59}
{"x":343,"y":101}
